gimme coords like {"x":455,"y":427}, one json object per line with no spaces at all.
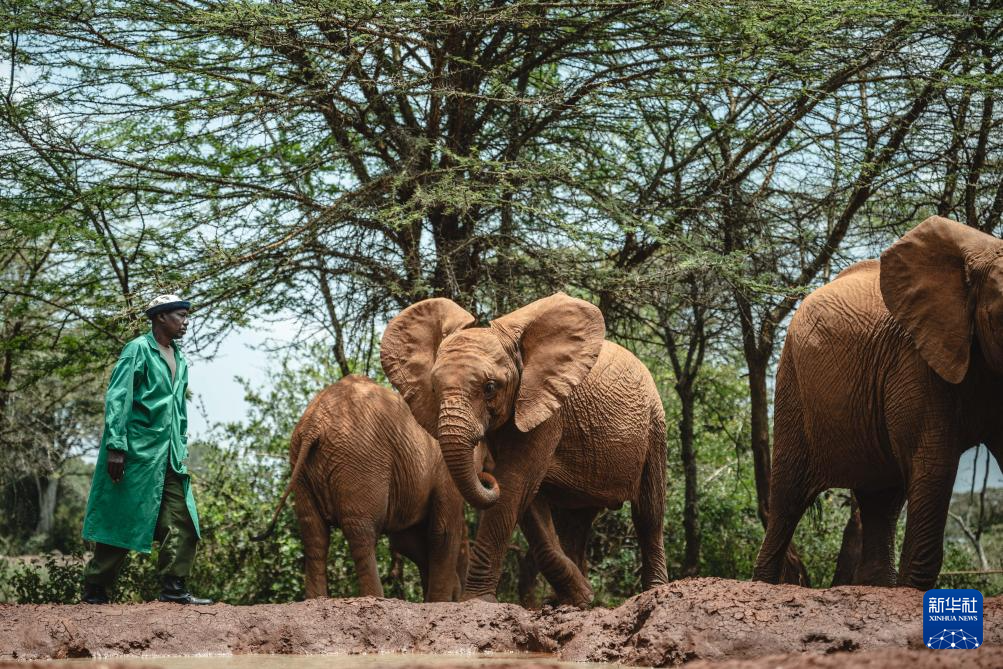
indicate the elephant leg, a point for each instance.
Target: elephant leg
{"x":648,"y":513}
{"x":411,"y":544}
{"x":879,"y":513}
{"x":929,"y":497}
{"x":791,"y":493}
{"x":574,"y":527}
{"x":519,"y":476}
{"x":570,"y":585}
{"x":443,"y":549}
{"x":786,"y":508}
{"x":488,"y":552}
{"x":791,"y":486}
{"x":361,"y":535}
{"x":526,"y":584}
{"x":316,"y":534}
{"x":850,"y":550}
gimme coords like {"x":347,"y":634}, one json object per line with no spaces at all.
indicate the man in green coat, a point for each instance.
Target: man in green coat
{"x":141,"y":489}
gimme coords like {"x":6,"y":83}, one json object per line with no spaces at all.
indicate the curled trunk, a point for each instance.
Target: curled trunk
{"x":458,"y":441}
{"x":479,"y":489}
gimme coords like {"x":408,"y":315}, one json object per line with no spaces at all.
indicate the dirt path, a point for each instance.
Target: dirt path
{"x":707,"y":619}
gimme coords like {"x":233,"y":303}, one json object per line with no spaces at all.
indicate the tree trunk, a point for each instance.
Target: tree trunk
{"x":332,"y":313}
{"x":759,"y":404}
{"x":691,"y":519}
{"x":457,"y":264}
{"x":48,"y":490}
{"x":975,"y":541}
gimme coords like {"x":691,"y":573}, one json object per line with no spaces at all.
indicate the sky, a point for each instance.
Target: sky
{"x":970,"y":463}
{"x":213,"y":383}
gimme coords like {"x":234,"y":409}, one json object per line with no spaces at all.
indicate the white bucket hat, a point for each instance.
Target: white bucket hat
{"x":163,"y":303}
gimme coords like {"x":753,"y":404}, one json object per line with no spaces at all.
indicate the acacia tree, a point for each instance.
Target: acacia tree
{"x":891,"y":114}
{"x":799,"y":133}
{"x":74,"y":249}
{"x":952,"y":167}
{"x":337,"y":160}
{"x":683,"y":316}
{"x":364,"y":154}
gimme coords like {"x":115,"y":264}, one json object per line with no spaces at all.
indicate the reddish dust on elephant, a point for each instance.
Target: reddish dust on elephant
{"x":572,"y":421}
{"x":361,"y":463}
{"x":887,"y":375}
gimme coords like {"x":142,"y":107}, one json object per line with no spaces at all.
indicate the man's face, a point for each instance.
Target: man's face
{"x":175,"y":323}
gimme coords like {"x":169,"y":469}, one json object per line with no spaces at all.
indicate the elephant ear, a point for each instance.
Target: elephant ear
{"x":559,"y":338}
{"x":926,"y":285}
{"x":408,"y":350}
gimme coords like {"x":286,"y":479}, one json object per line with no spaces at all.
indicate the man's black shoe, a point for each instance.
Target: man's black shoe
{"x":94,"y":594}
{"x":174,"y":590}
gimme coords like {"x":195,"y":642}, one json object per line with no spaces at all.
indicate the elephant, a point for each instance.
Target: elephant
{"x":573,"y":532}
{"x":572,"y":422}
{"x":887,"y":375}
{"x":361,"y":462}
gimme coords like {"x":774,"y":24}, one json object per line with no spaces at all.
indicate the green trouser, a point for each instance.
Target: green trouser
{"x":175,"y":532}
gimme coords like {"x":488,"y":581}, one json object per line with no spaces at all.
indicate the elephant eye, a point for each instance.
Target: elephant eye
{"x":490,"y":389}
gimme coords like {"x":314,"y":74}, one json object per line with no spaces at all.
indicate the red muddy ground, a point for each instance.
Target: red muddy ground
{"x":711,"y":622}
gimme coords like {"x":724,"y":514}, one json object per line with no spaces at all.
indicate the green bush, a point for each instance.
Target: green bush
{"x":56,"y":580}
{"x":7,"y":593}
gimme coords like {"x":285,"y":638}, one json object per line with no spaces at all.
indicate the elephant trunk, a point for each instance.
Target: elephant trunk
{"x":458,"y":437}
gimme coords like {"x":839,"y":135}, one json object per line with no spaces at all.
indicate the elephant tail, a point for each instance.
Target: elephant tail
{"x":305,"y":438}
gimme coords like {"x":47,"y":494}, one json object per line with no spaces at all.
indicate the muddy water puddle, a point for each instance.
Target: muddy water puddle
{"x":374,"y":661}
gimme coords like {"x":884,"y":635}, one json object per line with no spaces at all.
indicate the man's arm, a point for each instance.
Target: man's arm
{"x":117,"y":407}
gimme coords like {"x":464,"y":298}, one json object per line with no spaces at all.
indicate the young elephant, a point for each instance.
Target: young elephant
{"x":887,"y":375}
{"x":572,"y":421}
{"x":361,"y":462}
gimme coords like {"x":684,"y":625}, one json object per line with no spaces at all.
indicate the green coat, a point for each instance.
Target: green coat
{"x":147,"y":417}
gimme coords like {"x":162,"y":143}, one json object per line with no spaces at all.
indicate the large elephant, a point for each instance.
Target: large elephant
{"x":572,"y":421}
{"x":360,"y":462}
{"x":887,"y":375}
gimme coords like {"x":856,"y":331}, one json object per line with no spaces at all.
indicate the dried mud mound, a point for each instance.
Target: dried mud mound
{"x":716,"y":619}
{"x":712,"y":620}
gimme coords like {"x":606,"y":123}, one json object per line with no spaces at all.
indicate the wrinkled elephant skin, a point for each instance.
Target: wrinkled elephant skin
{"x":361,"y":463}
{"x":887,"y":375}
{"x":573,"y":421}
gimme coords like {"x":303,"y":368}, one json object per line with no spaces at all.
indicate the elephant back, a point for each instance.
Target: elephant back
{"x":363,"y":432}
{"x":610,"y":422}
{"x":848,"y":306}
